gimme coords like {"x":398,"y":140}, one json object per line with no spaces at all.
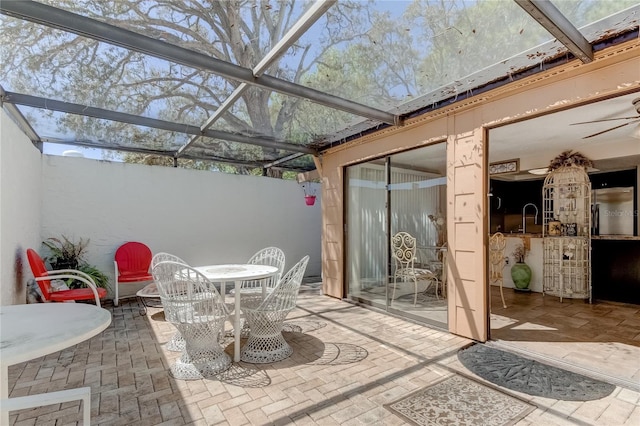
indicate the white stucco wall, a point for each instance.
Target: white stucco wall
{"x":203,"y":217}
{"x":20,"y":202}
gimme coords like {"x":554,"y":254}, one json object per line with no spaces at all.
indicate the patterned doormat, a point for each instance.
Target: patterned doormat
{"x":460,"y":401}
{"x":525,"y":375}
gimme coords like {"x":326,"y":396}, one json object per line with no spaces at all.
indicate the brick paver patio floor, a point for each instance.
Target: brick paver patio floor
{"x":347,"y":363}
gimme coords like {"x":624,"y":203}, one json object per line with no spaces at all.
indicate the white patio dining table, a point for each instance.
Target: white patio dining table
{"x":237,"y":273}
{"x":34,"y":330}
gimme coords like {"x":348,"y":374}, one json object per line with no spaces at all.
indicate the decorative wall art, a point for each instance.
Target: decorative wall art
{"x":507,"y":166}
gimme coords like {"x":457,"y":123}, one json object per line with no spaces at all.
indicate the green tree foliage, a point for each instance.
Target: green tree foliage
{"x":378,"y":53}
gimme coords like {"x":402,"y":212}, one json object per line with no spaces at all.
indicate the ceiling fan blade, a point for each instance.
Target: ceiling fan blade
{"x":608,"y":130}
{"x":605,"y":119}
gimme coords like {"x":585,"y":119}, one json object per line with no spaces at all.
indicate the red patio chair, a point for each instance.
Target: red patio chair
{"x":132,"y":262}
{"x":44,"y":277}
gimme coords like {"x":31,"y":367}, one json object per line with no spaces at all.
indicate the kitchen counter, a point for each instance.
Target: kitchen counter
{"x":615,"y":237}
{"x":593,"y":237}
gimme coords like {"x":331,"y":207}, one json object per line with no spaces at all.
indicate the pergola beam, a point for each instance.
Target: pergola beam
{"x":282,"y":160}
{"x":301,"y":26}
{"x":71,"y":108}
{"x":21,"y":120}
{"x":136,"y":150}
{"x":559,"y":26}
{"x":91,"y":28}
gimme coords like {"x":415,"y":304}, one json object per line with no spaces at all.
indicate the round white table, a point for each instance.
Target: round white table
{"x":34,"y":330}
{"x":237,"y":273}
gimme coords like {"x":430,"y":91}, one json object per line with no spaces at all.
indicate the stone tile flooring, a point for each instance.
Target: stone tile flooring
{"x":601,"y":338}
{"x":347,"y":363}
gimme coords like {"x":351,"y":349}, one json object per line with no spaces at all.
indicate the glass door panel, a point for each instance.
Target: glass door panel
{"x":404,"y":192}
{"x":366,"y":218}
{"x":418,"y":208}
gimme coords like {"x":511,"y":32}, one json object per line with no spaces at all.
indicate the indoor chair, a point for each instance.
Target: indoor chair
{"x":403,"y":251}
{"x":497,"y":244}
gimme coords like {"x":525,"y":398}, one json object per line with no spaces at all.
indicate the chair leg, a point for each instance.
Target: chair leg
{"x":504,"y":305}
{"x":395,"y":284}
{"x":415,"y":297}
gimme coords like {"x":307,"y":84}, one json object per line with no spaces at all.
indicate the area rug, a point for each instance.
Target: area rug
{"x":460,"y":401}
{"x":531,"y":377}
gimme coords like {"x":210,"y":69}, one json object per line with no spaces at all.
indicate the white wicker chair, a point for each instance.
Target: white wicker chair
{"x":265,"y":317}
{"x":403,"y":250}
{"x":192,"y":303}
{"x":176,"y":344}
{"x":271,"y":256}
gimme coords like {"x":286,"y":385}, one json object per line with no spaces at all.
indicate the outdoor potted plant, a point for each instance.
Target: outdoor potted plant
{"x":67,"y":254}
{"x":309,"y":194}
{"x":520,"y":271}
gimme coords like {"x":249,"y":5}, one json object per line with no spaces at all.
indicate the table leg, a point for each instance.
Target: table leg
{"x":4,"y":393}
{"x":236,"y":326}
{"x":264,"y":288}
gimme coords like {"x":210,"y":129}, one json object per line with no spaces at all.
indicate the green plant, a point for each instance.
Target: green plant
{"x":99,"y":277}
{"x":65,"y":254}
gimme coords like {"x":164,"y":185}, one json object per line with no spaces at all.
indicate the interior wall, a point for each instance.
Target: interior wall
{"x":20,"y":190}
{"x":614,"y":71}
{"x":202,"y":217}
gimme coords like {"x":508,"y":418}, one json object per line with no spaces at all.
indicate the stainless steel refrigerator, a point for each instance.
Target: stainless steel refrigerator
{"x":612,"y":211}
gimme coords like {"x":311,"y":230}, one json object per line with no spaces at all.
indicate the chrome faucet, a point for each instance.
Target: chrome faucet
{"x":524,"y":217}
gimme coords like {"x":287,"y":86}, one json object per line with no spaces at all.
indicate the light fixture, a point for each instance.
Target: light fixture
{"x":542,"y":171}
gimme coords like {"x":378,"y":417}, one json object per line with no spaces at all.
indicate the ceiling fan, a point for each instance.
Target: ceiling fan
{"x":634,"y":119}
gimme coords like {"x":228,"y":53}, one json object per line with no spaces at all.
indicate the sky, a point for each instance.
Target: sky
{"x":59,"y":149}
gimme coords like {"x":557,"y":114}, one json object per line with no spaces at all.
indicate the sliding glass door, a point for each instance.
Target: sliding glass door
{"x":366,"y":229}
{"x":404,"y":193}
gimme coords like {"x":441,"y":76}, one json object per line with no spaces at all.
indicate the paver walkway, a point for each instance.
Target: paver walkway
{"x":347,"y":363}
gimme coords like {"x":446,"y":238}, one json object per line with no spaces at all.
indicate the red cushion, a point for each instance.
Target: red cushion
{"x":131,"y":278}
{"x":77,"y":294}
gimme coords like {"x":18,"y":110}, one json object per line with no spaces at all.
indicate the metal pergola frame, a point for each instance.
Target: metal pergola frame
{"x":542,"y":10}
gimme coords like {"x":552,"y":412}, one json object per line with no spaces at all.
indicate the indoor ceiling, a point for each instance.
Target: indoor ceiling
{"x":535,"y":142}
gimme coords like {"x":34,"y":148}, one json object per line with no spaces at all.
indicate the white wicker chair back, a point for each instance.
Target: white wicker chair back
{"x":271,"y":256}
{"x":285,"y":295}
{"x":165,"y":257}
{"x":192,"y":303}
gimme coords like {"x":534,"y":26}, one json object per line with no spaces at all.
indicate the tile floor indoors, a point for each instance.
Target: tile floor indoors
{"x":347,"y":363}
{"x":601,"y":339}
